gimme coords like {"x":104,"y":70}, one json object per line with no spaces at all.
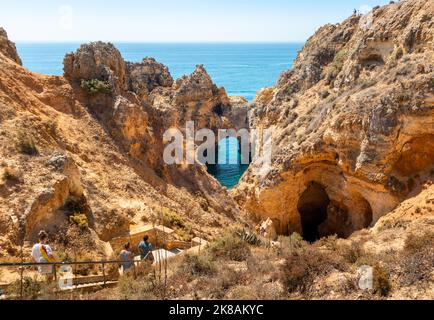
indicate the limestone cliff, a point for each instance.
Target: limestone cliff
{"x":353,"y":124}
{"x":7,"y":48}
{"x":85,"y":150}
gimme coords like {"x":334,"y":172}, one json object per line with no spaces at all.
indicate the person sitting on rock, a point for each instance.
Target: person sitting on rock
{"x":126,"y":257}
{"x":145,"y":248}
{"x":42,"y":253}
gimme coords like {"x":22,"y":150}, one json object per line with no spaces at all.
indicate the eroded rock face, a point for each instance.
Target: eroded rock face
{"x":97,"y":60}
{"x":355,"y":116}
{"x":145,"y":76}
{"x":192,"y":98}
{"x":102,"y":151}
{"x":8,"y":48}
{"x":45,"y":212}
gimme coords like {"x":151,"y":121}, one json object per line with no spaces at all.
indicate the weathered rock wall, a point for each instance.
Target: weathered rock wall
{"x":355,"y":115}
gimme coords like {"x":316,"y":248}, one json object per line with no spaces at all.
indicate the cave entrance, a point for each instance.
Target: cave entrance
{"x":312,"y":207}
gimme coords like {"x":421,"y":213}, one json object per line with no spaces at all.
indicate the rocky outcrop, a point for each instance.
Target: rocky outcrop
{"x":7,"y":48}
{"x":352,"y":125}
{"x":100,"y":61}
{"x":237,"y":113}
{"x":145,"y":76}
{"x":91,"y":158}
{"x":45,"y":209}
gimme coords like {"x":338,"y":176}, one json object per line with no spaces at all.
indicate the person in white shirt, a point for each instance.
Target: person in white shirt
{"x":41,"y":253}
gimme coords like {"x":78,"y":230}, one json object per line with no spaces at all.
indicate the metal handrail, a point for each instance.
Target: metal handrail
{"x":36,"y":264}
{"x":55,"y":264}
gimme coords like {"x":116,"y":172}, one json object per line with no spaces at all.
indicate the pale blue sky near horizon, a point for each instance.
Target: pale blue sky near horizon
{"x":173,"y":20}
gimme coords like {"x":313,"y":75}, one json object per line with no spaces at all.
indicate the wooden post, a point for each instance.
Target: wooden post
{"x":54,"y":272}
{"x":165,"y":261}
{"x":21,"y":274}
{"x":103,"y":274}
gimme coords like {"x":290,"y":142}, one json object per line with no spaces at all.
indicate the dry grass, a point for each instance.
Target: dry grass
{"x":26,"y":143}
{"x":230,"y":246}
{"x":198,"y":265}
{"x":11,"y":174}
{"x":304,"y":265}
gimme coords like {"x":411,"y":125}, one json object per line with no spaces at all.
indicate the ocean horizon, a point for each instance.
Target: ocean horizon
{"x":242,"y":68}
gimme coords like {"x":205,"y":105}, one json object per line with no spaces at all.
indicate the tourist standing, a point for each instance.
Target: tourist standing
{"x":42,"y":253}
{"x":126,"y":257}
{"x":145,"y":248}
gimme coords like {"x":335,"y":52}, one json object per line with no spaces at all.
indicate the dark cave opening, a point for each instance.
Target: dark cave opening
{"x":312,"y":207}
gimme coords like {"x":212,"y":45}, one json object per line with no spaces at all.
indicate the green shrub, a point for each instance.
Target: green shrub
{"x":199,"y":265}
{"x":230,"y":246}
{"x":26,"y":144}
{"x":31,"y":289}
{"x":339,"y":60}
{"x":96,"y":86}
{"x":172,"y":220}
{"x":290,"y":243}
{"x":80,"y":220}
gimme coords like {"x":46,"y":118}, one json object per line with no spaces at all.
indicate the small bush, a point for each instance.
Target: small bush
{"x":10,"y":174}
{"x":339,"y":60}
{"x":143,"y":288}
{"x":416,"y":267}
{"x":96,"y":86}
{"x":303,"y":267}
{"x":329,"y":243}
{"x":26,"y":144}
{"x":291,"y":243}
{"x":172,"y":220}
{"x":80,"y":220}
{"x":85,"y":269}
{"x":230,"y":246}
{"x":226,"y":279}
{"x":31,"y":289}
{"x":417,"y":258}
{"x":198,"y":265}
{"x":52,"y":127}
{"x":352,"y":252}
{"x":382,"y":283}
{"x":416,"y":243}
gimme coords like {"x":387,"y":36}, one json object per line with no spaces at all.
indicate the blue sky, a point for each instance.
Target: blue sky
{"x":172,"y":20}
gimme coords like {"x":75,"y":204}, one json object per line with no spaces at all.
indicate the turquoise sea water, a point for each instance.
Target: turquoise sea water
{"x":242,"y":69}
{"x":229,"y":169}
